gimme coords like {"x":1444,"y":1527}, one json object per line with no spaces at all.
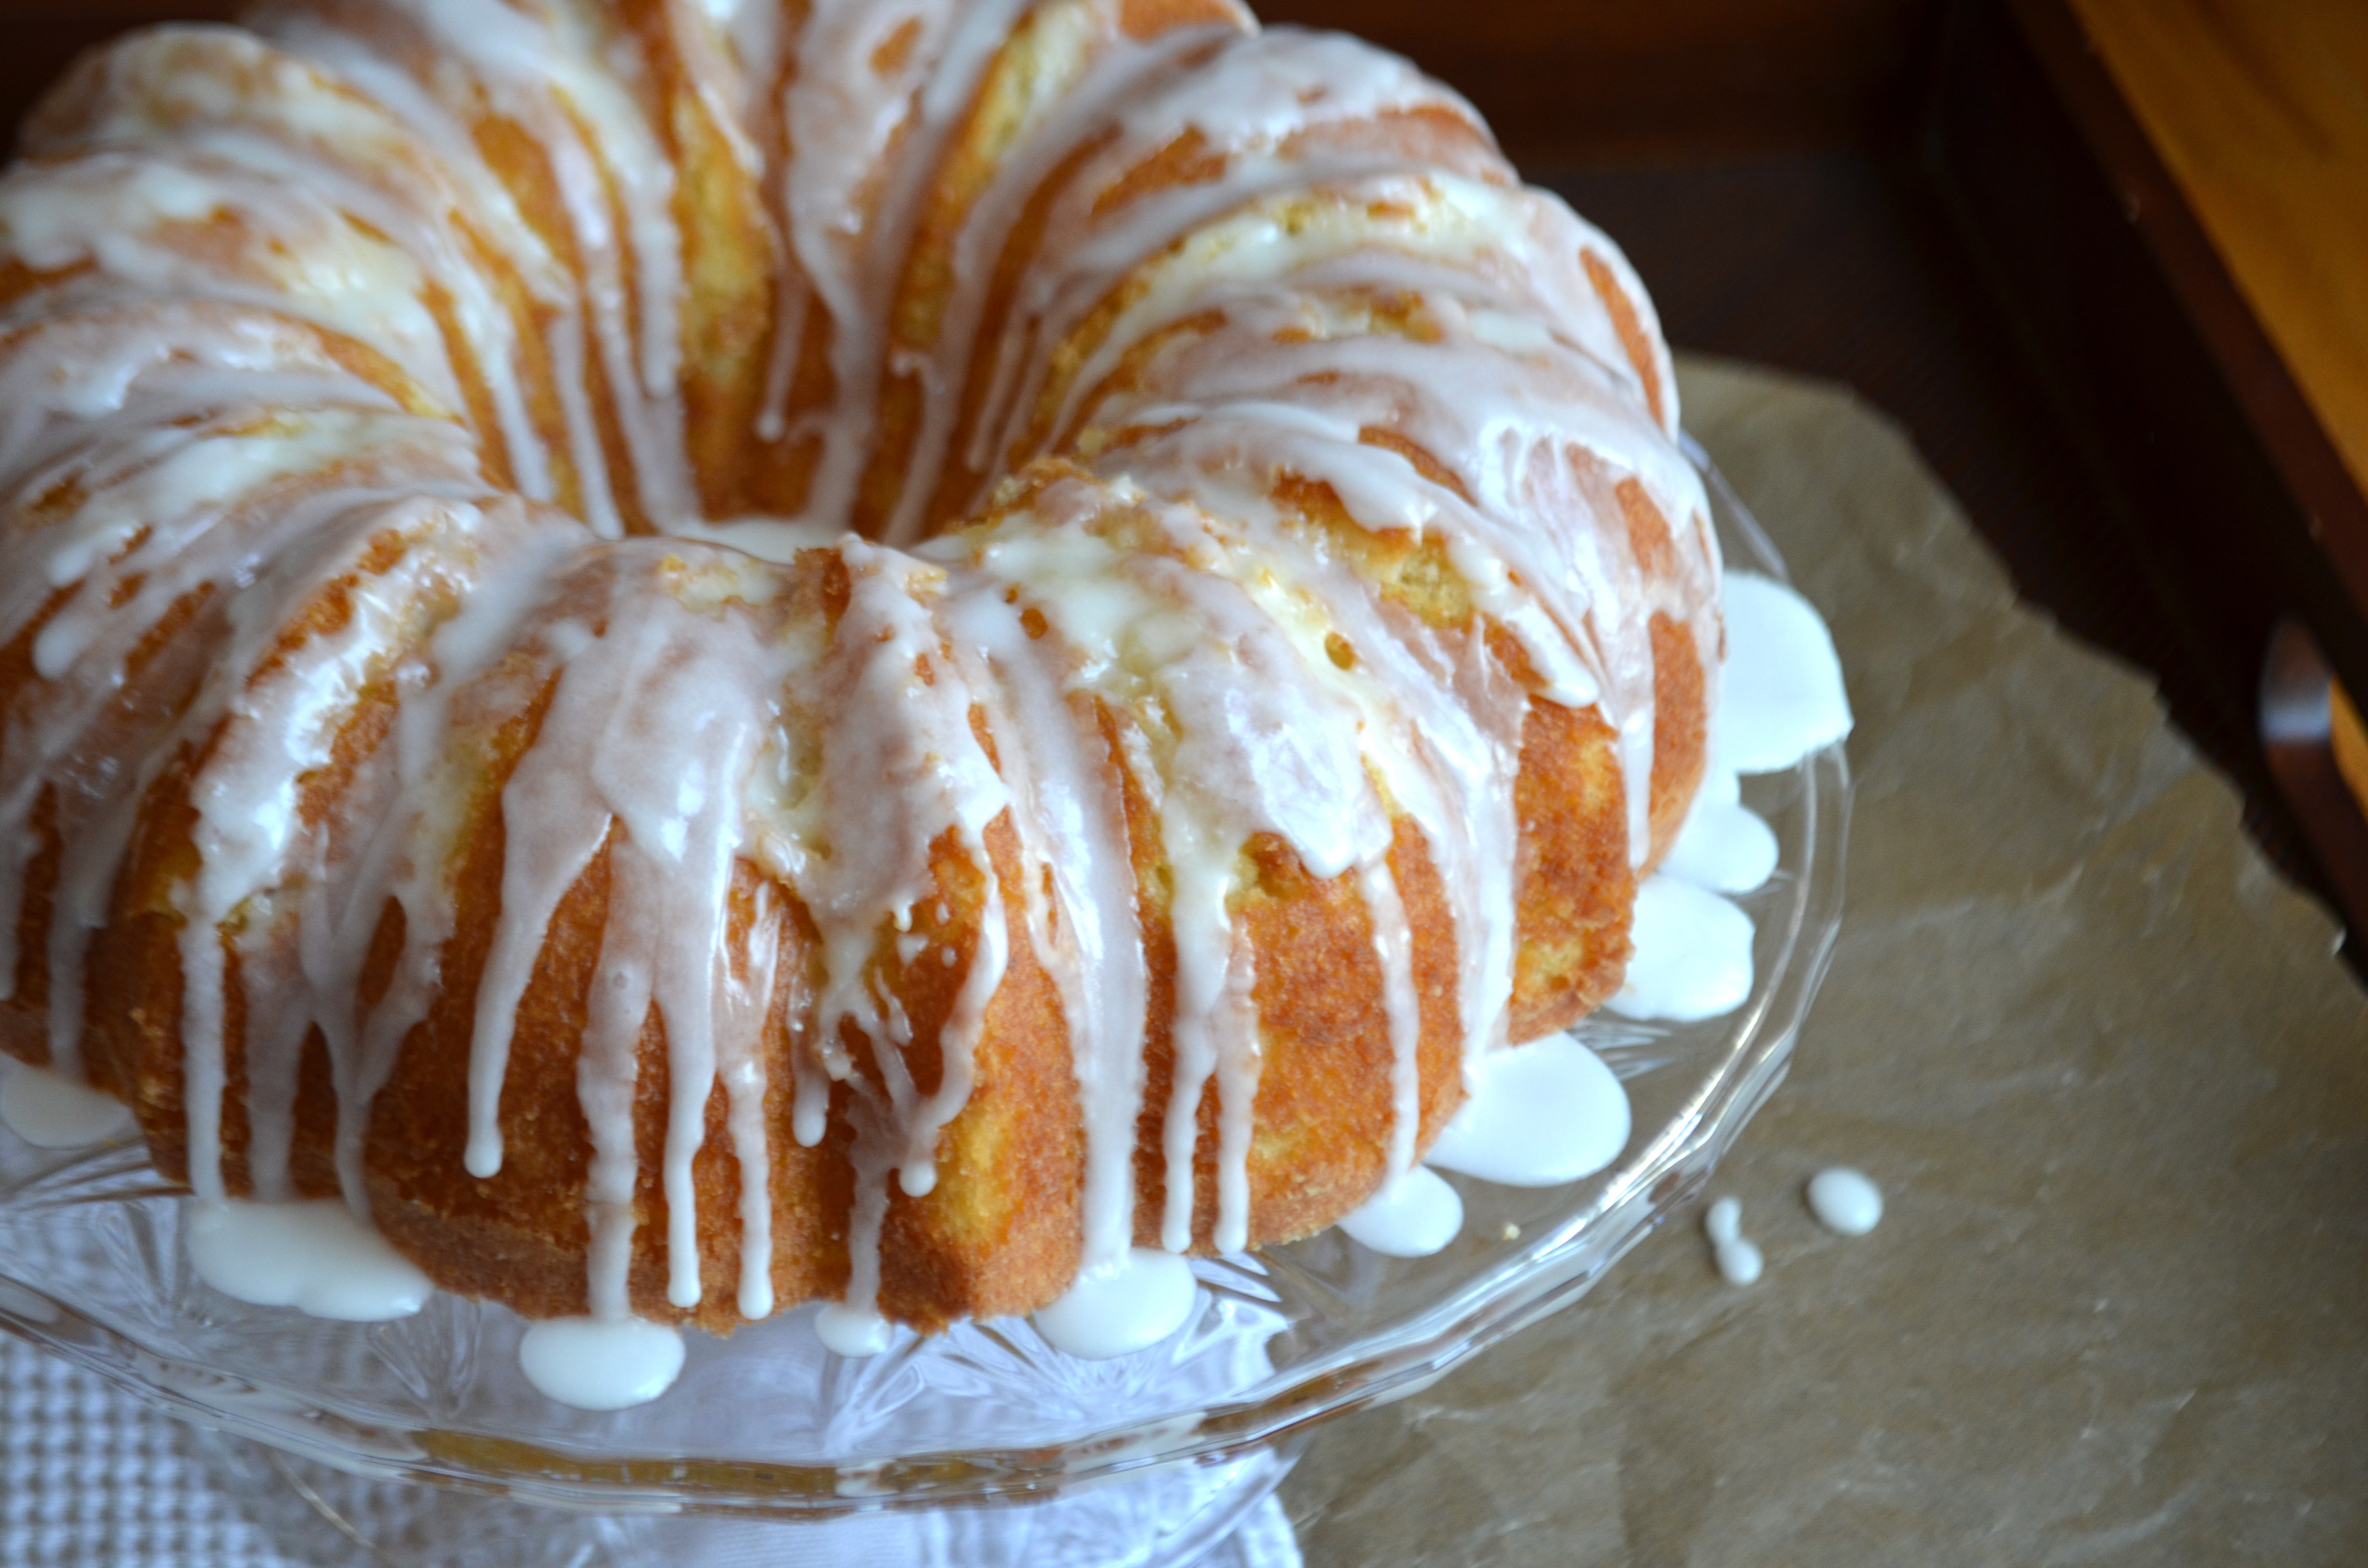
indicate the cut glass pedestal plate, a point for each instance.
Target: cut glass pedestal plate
{"x":1164,"y":1450}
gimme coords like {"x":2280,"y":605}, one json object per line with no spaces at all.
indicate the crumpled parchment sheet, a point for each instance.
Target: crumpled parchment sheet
{"x":2112,"y":1081}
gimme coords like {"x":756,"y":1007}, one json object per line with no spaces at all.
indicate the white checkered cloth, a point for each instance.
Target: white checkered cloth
{"x":92,"y":1478}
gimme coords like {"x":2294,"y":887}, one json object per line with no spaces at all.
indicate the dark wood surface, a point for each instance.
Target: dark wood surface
{"x":2238,"y":138}
{"x":1557,"y":79}
{"x":1566,"y":79}
{"x":39,"y":38}
{"x":2212,"y":477}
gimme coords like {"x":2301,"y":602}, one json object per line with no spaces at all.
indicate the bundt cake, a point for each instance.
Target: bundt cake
{"x":716,"y":655}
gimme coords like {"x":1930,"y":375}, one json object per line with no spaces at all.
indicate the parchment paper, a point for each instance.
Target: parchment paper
{"x":2105,"y":1067}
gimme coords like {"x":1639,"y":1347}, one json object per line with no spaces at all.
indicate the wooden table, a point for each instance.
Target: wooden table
{"x":2259,"y":114}
{"x":2167,"y":195}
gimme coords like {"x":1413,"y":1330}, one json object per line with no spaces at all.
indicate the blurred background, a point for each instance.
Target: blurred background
{"x":2103,"y":259}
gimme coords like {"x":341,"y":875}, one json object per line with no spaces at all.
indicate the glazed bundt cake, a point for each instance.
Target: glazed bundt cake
{"x":715,"y":655}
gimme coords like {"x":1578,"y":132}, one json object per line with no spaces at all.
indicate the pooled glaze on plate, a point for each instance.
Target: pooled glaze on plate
{"x":49,"y":1110}
{"x":314,"y":1256}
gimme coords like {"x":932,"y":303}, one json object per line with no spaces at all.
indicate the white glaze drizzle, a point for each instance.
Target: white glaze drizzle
{"x":844,"y":117}
{"x":1785,"y":676}
{"x":1088,"y":924}
{"x":1545,"y":1113}
{"x":596,"y":1364}
{"x":1414,"y":1216}
{"x":313,"y":1256}
{"x":1723,"y":847}
{"x":891,"y":791}
{"x":652,"y":728}
{"x":1156,"y":619}
{"x":1393,"y":945}
{"x":1115,"y":1309}
{"x":557,"y":71}
{"x":853,"y":1331}
{"x":1693,"y":958}
{"x":292,"y":124}
{"x":49,"y":1110}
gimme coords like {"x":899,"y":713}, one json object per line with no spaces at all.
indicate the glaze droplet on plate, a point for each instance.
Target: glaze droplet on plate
{"x":49,"y":1110}
{"x":1781,"y":696}
{"x":1723,"y":847}
{"x":314,"y":1256}
{"x":1542,"y":1114}
{"x":853,"y":1331}
{"x":1845,"y":1201}
{"x":1693,"y":958}
{"x":597,"y":1365}
{"x":1412,"y":1217}
{"x":1722,"y":1222}
{"x":1739,"y":1260}
{"x":1122,"y":1307}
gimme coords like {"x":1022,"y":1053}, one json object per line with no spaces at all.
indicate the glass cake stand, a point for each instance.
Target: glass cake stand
{"x":768,"y":1424}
